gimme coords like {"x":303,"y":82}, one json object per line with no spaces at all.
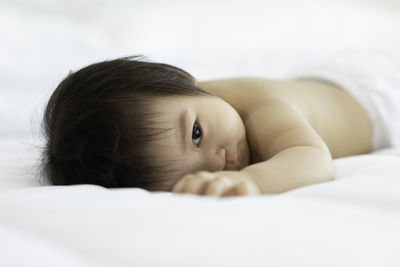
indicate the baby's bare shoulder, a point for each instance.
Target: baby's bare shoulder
{"x":244,"y":93}
{"x":329,"y":110}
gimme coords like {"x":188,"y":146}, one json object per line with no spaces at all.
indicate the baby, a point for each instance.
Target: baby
{"x":131,"y":123}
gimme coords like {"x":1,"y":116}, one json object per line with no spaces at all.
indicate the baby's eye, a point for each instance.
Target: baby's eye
{"x":196,"y":134}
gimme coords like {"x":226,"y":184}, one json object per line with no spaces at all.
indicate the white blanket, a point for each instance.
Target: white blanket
{"x":352,"y":221}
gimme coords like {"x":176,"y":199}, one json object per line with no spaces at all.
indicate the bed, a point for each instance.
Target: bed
{"x":351,"y":221}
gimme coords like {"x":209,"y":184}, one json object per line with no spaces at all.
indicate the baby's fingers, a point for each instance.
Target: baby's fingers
{"x":246,"y":188}
{"x":192,"y":183}
{"x":218,"y":186}
{"x":178,"y":187}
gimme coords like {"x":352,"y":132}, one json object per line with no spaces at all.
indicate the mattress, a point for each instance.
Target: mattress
{"x":351,"y":221}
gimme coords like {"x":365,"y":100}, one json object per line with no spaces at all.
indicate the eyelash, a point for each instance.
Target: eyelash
{"x":201,"y":133}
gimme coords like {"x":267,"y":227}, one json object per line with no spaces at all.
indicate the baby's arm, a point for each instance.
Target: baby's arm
{"x":295,"y":154}
{"x":292,"y":155}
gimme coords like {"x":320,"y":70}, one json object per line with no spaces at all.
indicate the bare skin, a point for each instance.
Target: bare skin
{"x":334,"y":114}
{"x":293,"y":130}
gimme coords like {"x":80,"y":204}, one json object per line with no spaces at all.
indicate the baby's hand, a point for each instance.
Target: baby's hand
{"x":223,"y":183}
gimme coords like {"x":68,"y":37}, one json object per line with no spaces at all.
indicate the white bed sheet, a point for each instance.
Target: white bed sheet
{"x":352,"y":221}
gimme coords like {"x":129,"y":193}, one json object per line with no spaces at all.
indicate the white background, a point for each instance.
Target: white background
{"x":353,"y":221}
{"x":42,"y":40}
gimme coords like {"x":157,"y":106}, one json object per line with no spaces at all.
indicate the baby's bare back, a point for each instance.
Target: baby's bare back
{"x":336,"y":116}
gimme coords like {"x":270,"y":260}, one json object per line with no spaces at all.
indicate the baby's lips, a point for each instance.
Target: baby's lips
{"x":233,"y":164}
{"x":231,"y":167}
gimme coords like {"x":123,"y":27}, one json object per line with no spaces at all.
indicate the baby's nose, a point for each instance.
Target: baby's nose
{"x":221,"y":154}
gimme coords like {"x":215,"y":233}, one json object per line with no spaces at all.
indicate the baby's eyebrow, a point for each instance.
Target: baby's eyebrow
{"x":182,"y":128}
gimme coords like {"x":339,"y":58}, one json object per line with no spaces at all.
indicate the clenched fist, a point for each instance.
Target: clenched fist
{"x":222,"y":183}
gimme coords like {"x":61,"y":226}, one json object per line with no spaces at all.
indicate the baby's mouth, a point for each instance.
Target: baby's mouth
{"x":233,"y":164}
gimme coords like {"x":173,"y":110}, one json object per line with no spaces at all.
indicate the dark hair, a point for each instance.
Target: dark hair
{"x":99,"y":124}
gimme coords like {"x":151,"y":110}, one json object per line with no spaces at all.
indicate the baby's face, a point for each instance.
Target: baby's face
{"x":207,"y":134}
